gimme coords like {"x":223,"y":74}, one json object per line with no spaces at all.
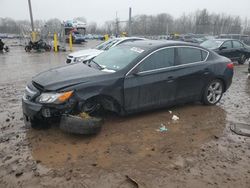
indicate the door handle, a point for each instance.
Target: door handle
{"x":170,"y":79}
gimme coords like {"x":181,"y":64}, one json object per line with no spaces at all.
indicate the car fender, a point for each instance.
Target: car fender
{"x":86,"y":91}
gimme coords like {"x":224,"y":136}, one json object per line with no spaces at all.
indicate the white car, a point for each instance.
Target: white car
{"x":85,"y":55}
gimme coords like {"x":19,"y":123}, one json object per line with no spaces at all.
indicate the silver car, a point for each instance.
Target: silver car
{"x":85,"y":55}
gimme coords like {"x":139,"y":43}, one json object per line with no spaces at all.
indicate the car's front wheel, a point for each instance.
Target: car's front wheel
{"x":213,"y":92}
{"x":36,"y":123}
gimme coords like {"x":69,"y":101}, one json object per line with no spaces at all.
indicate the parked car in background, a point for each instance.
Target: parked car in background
{"x":77,"y":38}
{"x":131,"y":77}
{"x":249,"y":67}
{"x":188,"y":38}
{"x":85,"y":55}
{"x":243,"y":38}
{"x":233,"y":49}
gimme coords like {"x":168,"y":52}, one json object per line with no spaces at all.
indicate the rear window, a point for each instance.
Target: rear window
{"x":191,"y":55}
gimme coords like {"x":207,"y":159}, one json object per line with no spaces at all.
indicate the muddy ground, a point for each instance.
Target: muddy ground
{"x":198,"y":150}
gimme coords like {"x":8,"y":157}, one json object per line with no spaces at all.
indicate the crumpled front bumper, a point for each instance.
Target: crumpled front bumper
{"x":32,"y":110}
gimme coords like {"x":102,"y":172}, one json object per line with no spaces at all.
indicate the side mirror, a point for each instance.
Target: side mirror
{"x":222,"y":48}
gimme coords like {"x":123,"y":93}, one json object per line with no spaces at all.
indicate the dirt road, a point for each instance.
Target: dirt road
{"x":198,"y":150}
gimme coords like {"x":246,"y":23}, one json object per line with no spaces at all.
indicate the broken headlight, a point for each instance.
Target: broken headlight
{"x":56,"y":98}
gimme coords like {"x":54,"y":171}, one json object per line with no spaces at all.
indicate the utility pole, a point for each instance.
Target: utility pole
{"x":31,"y":16}
{"x":129,"y":22}
{"x":117,"y":25}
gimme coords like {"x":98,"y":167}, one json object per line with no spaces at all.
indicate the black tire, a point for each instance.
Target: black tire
{"x":213,"y":92}
{"x":242,"y":59}
{"x":47,"y":48}
{"x":36,"y":123}
{"x":77,"y":125}
{"x":6,"y":49}
{"x":27,"y":48}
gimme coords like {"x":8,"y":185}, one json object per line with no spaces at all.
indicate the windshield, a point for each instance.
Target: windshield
{"x":212,"y":44}
{"x":106,"y":45}
{"x":117,"y":58}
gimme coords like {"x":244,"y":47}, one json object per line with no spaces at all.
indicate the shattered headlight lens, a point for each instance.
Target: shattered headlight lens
{"x":56,"y":98}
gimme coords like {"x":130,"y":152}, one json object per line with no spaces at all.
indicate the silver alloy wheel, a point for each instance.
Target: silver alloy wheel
{"x":214,"y":92}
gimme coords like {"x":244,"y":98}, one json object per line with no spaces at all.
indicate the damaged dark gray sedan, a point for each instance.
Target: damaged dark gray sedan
{"x":133,"y":77}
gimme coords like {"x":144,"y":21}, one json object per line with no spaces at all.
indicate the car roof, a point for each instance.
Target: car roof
{"x":127,"y":38}
{"x":152,"y":44}
{"x":224,"y":39}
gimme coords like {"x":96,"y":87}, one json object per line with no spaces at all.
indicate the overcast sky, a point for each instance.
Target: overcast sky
{"x":103,"y":10}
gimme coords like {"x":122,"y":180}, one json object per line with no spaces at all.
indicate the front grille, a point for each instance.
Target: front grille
{"x":46,"y":112}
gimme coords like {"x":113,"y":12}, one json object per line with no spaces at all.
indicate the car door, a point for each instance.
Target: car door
{"x":191,"y":73}
{"x":238,"y":49}
{"x":151,"y":83}
{"x":226,"y":49}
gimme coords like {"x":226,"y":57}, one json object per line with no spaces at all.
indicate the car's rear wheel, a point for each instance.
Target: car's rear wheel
{"x":213,"y":92}
{"x":242,"y":59}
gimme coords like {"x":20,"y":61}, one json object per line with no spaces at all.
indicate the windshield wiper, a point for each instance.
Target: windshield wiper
{"x":99,"y":66}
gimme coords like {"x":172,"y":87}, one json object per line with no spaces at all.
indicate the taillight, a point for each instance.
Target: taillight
{"x":230,"y":66}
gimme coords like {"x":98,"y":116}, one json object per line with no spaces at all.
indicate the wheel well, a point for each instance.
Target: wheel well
{"x":223,"y":82}
{"x":218,"y":78}
{"x":107,"y":102}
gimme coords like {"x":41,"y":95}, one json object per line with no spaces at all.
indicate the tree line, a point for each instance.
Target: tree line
{"x":198,"y":22}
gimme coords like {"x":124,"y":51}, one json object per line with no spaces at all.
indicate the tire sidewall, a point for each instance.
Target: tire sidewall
{"x":242,"y":59}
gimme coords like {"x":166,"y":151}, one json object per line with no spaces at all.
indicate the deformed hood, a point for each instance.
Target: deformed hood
{"x":68,"y":75}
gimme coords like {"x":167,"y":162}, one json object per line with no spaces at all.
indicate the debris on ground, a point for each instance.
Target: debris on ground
{"x":175,"y":118}
{"x":19,"y":174}
{"x":132,"y":181}
{"x":84,"y":115}
{"x":162,"y":128}
{"x":170,"y":111}
{"x":241,"y":129}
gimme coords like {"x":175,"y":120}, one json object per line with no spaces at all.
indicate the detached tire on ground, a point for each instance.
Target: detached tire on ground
{"x":77,"y":125}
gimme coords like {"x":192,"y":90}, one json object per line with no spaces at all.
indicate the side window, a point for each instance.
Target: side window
{"x":204,"y":55}
{"x":227,"y":44}
{"x":237,"y":44}
{"x":190,"y":55}
{"x":160,"y":59}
